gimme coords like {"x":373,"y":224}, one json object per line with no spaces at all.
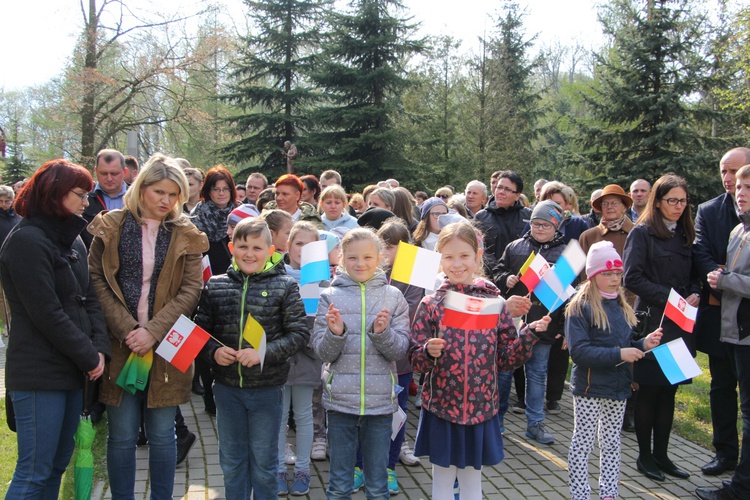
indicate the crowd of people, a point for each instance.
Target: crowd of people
{"x":95,"y":273}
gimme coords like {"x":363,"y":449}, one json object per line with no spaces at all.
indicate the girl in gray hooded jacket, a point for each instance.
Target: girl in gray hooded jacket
{"x":361,"y":329}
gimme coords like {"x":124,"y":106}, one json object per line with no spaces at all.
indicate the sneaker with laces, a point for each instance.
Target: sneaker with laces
{"x":519,"y":407}
{"x":539,"y":433}
{"x":392,"y":482}
{"x":301,"y":484}
{"x":289,"y":457}
{"x":283,"y":485}
{"x":318,"y":450}
{"x":406,"y":456}
{"x":359,"y":479}
{"x":553,"y":407}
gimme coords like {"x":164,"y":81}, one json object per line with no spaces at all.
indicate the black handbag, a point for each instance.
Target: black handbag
{"x":10,"y":414}
{"x":639,"y":330}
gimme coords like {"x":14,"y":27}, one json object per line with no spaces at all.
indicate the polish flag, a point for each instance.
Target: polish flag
{"x":471,"y":313}
{"x":679,"y":311}
{"x":206,"y":268}
{"x":183,"y":343}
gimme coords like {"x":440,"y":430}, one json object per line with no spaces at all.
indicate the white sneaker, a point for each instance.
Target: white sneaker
{"x":318,"y":452}
{"x":289,"y":457}
{"x":407,"y":456}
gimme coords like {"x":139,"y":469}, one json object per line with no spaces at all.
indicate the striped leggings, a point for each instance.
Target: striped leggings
{"x":595,"y":417}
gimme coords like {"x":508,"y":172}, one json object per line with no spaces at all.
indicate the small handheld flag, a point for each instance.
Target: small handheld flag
{"x":183,"y":343}
{"x":255,"y":335}
{"x":314,"y":262}
{"x":206,"y":268}
{"x":471,"y":313}
{"x":526,"y":264}
{"x":679,"y":311}
{"x":676,"y":362}
{"x":416,"y":266}
{"x":310,"y":296}
{"x":554,"y":287}
{"x":532,"y":275}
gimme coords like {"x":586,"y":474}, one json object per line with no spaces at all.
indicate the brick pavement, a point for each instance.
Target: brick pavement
{"x":530,"y":471}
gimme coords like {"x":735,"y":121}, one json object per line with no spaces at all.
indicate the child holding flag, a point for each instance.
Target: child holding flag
{"x":543,"y":239}
{"x":459,"y":426}
{"x":362,"y":328}
{"x":304,"y":377}
{"x":256,"y":314}
{"x":599,"y":330}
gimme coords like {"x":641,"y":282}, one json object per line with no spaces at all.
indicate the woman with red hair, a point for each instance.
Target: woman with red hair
{"x":58,"y":335}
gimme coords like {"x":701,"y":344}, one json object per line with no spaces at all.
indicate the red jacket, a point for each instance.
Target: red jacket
{"x":461,"y":385}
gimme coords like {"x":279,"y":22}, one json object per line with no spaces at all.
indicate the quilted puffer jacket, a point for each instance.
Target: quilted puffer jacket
{"x":272,"y":298}
{"x":362,"y":376}
{"x":461,"y":385}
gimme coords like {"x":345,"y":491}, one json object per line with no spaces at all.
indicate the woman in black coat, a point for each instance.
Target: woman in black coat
{"x":58,"y":335}
{"x":657,"y":258}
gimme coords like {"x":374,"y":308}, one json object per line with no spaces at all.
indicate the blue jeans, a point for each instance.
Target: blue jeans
{"x":504,"y":382}
{"x":536,"y":383}
{"x":124,"y":424}
{"x":404,"y":380}
{"x":248,"y":421}
{"x":45,"y":423}
{"x":301,"y":397}
{"x":345,"y":433}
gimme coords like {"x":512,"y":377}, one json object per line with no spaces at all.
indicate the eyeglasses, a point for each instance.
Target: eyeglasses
{"x":613,"y":204}
{"x":443,"y":196}
{"x":220,"y":190}
{"x":505,"y":189}
{"x":542,"y":226}
{"x":436,"y":215}
{"x":82,"y":196}
{"x":676,"y":201}
{"x":612,"y":274}
{"x":6,"y":201}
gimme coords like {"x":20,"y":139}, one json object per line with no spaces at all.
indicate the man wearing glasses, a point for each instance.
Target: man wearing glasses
{"x":109,"y":188}
{"x":504,"y":218}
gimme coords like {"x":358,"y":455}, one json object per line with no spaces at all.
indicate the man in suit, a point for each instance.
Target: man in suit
{"x":715,"y":220}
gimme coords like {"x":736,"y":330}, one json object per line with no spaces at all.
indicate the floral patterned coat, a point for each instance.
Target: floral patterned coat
{"x":461,"y":385}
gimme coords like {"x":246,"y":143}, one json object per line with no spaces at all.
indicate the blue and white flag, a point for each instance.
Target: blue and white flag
{"x":314,"y":263}
{"x":676,"y":362}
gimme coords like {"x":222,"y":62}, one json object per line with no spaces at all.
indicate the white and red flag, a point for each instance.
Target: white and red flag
{"x":206,"y":268}
{"x":183,"y":343}
{"x":679,"y":311}
{"x":471,"y":313}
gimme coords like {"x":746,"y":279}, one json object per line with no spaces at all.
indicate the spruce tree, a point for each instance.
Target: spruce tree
{"x":363,"y":78}
{"x":647,"y":120}
{"x":271,"y":82}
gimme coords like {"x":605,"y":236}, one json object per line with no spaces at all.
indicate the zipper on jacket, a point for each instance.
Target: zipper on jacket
{"x":242,"y":322}
{"x":363,"y":346}
{"x":466,"y":374}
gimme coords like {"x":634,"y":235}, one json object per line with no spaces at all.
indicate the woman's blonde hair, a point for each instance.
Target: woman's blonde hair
{"x":589,"y":293}
{"x":158,"y":168}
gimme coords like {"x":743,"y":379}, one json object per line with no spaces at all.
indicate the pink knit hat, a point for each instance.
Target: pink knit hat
{"x":602,"y":257}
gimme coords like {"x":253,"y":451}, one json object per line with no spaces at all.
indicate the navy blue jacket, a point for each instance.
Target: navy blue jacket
{"x":596,"y":353}
{"x":715,"y":220}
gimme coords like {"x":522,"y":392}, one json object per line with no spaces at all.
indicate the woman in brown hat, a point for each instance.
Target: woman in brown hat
{"x":615,"y":225}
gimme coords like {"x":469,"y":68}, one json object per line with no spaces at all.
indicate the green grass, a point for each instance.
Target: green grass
{"x":692,"y":415}
{"x":8,"y":458}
